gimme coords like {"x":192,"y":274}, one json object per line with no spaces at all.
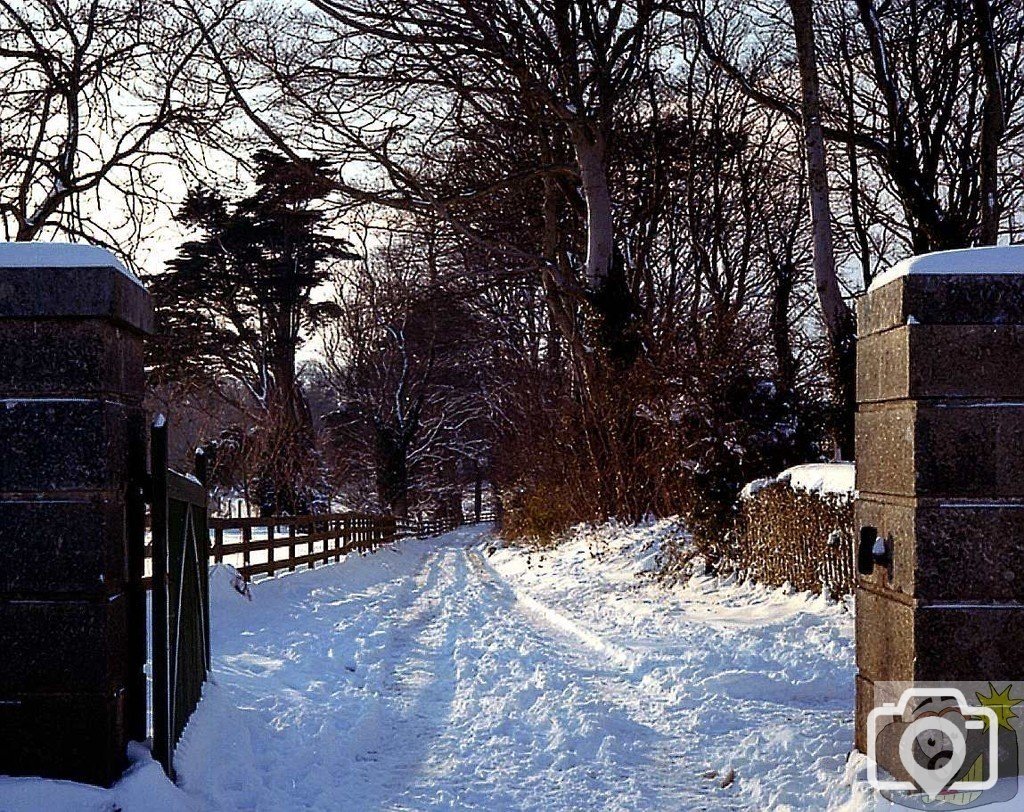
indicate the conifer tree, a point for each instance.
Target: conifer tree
{"x":236,"y":304}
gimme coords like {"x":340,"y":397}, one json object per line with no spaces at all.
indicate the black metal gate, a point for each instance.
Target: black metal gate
{"x":181,"y":598}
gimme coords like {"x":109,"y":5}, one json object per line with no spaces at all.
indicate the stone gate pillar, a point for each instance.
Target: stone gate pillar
{"x":72,"y":690}
{"x":940,"y":475}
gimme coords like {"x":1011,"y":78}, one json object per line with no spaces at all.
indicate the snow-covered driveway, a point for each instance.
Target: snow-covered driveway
{"x":432,"y":675}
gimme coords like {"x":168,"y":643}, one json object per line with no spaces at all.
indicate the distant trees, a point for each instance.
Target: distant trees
{"x":236,"y":304}
{"x":410,"y":363}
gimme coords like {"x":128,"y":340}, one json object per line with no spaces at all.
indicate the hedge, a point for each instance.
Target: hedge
{"x":798,"y":537}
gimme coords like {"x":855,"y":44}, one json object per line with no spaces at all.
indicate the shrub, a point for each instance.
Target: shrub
{"x":802,"y":538}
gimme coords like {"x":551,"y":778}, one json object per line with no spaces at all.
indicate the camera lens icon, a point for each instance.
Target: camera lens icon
{"x":932,"y":745}
{"x":935,"y":744}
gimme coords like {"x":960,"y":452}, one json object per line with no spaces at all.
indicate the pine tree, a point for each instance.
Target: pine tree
{"x":236,"y":304}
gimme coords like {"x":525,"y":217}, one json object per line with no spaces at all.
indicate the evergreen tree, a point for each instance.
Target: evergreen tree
{"x":236,"y":304}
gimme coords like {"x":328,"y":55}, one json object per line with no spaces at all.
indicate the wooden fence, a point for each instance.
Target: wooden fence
{"x":268,"y":545}
{"x":265,"y":546}
{"x":290,"y":542}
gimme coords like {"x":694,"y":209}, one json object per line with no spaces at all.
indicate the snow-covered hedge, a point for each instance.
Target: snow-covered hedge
{"x":798,"y":529}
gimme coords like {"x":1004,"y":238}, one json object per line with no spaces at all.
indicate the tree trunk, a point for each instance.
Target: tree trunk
{"x":553,"y":350}
{"x":590,"y":150}
{"x":26,"y":232}
{"x":785,"y":379}
{"x":285,"y":394}
{"x":826,"y":282}
{"x":478,"y":491}
{"x":392,"y":472}
{"x":836,"y":316}
{"x":992,"y":125}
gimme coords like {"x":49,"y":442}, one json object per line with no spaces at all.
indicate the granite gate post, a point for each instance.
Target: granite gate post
{"x":72,"y":641}
{"x":940,"y":476}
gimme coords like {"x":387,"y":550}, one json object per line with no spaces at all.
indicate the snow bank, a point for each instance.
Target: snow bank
{"x":836,"y":478}
{"x":227,"y":587}
{"x":751,"y":686}
{"x":59,"y":255}
{"x":625,"y":551}
{"x":143,"y":788}
{"x":999,"y":259}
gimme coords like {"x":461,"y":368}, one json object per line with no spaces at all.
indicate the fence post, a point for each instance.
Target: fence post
{"x":478,"y":491}
{"x":246,"y":554}
{"x":291,"y":544}
{"x":218,"y":545}
{"x":72,"y":433}
{"x":270,"y":547}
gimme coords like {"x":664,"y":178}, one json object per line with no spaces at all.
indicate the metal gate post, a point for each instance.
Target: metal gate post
{"x":158,"y":511}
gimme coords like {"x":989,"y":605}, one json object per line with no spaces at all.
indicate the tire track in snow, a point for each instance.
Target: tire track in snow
{"x":535,"y":715}
{"x":438,"y":687}
{"x":672,"y":770}
{"x":495,"y":742}
{"x":550,"y":616}
{"x":415,"y":690}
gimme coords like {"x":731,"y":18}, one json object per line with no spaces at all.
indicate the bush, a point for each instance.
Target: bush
{"x":802,"y":538}
{"x":732,"y":426}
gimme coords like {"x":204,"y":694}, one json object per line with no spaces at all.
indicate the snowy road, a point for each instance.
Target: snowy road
{"x":431,"y":676}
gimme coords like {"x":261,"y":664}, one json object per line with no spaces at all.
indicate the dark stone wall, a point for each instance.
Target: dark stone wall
{"x":71,"y":430}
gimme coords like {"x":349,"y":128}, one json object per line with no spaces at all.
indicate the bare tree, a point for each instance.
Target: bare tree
{"x":381,"y":81}
{"x":407,"y":364}
{"x":94,"y":95}
{"x":936,"y":89}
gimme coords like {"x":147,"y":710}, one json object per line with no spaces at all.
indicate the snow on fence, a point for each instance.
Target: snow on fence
{"x":798,"y":529}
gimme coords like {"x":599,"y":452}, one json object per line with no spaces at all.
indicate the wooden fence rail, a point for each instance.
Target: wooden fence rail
{"x":268,"y":545}
{"x":290,"y":542}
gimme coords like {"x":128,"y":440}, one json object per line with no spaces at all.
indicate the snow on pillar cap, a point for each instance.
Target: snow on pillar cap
{"x":994,"y":260}
{"x":58,"y":280}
